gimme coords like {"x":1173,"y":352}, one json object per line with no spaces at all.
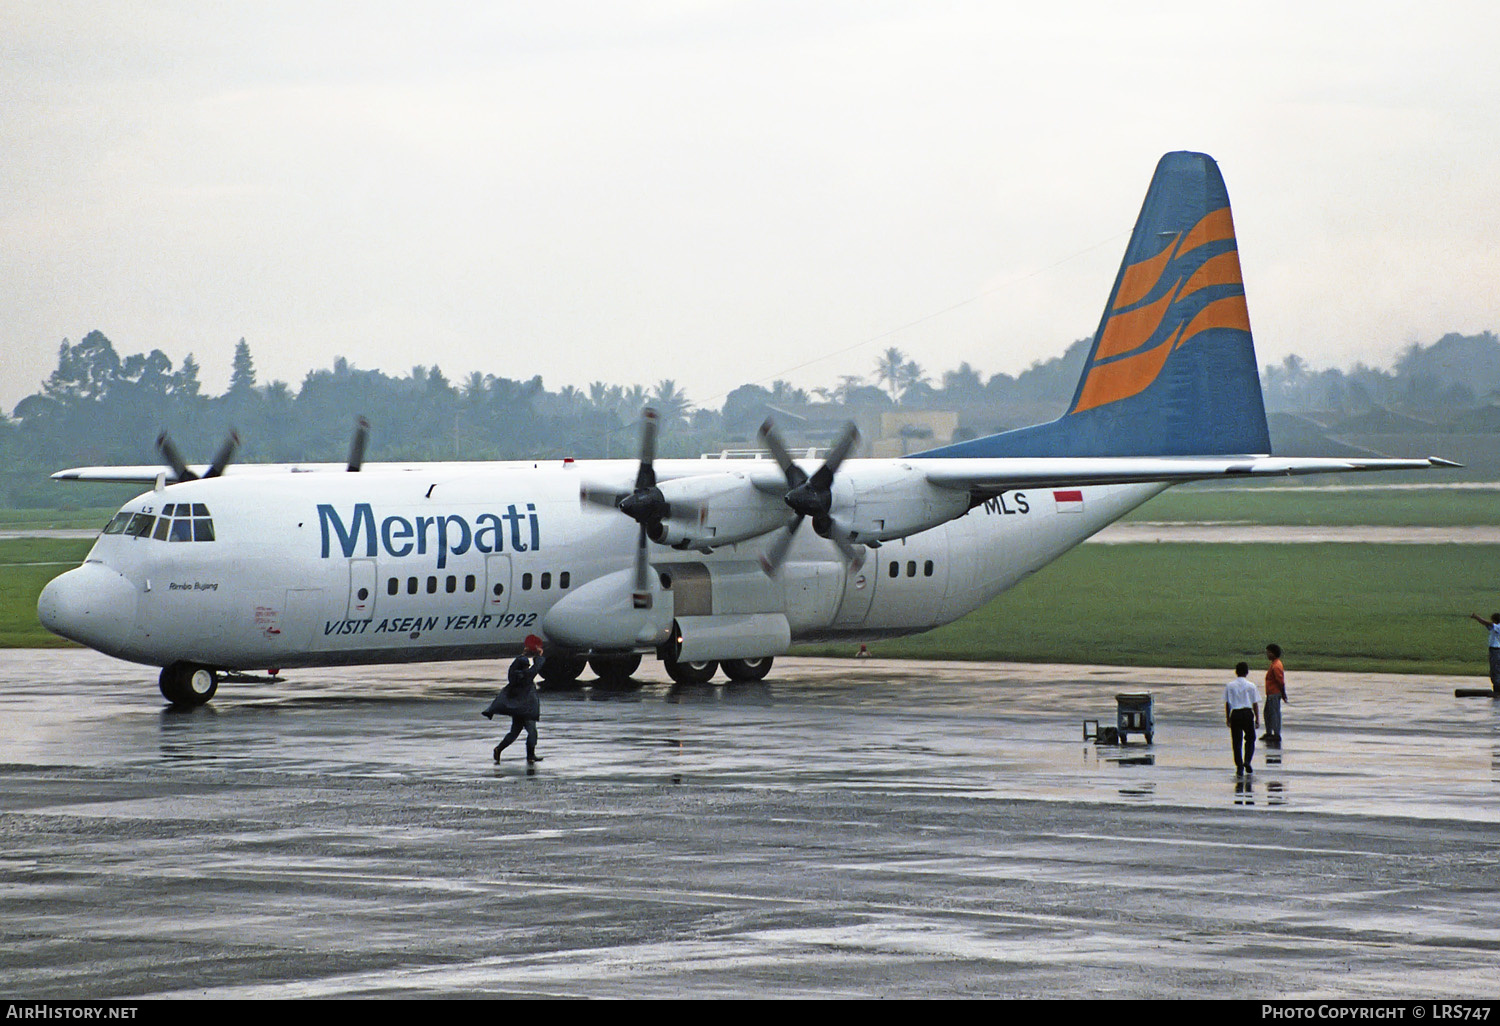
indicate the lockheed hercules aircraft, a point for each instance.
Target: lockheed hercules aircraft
{"x":705,"y":564}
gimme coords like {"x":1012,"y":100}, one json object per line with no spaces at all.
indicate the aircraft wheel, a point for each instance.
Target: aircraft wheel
{"x":614,"y":669}
{"x":747,"y":669}
{"x":187,"y":684}
{"x":560,"y":670}
{"x":691,"y":673}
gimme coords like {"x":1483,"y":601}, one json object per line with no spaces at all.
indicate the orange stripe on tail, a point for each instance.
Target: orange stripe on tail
{"x":1111,"y":382}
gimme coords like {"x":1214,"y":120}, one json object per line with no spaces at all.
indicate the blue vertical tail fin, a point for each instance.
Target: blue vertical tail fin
{"x":1172,"y":371}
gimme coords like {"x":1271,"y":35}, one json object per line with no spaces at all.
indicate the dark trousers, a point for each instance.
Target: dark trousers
{"x":1242,"y":736}
{"x":1273,"y":717}
{"x":1495,"y":669}
{"x":516,"y":726}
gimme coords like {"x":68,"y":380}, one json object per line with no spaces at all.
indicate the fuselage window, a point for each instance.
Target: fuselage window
{"x":546,"y":581}
{"x":411,"y":585}
{"x":140,"y":525}
{"x":199,"y":510}
{"x":564,"y":579}
{"x":392,"y":586}
{"x":432,"y":585}
{"x":162,"y":527}
{"x":927,"y":569}
{"x":203,"y":530}
{"x":911,"y":568}
{"x":117,"y":525}
{"x":895,"y":569}
{"x":499,"y":590}
{"x":166,"y":510}
{"x":469,"y":583}
{"x":452,"y":584}
{"x":364,"y":593}
{"x":182,"y":530}
{"x":525,"y":582}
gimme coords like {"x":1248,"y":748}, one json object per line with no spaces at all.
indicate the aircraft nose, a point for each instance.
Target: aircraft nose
{"x":92,"y":605}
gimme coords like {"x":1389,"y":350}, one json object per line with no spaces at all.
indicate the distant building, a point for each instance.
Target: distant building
{"x":903,"y":432}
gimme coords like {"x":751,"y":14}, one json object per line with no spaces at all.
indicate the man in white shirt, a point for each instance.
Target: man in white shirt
{"x":1242,"y":716}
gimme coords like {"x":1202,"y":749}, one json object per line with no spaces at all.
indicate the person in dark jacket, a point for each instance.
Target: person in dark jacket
{"x":518,"y":699}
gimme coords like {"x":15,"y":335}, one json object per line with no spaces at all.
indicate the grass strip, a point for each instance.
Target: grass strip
{"x":1375,"y":608}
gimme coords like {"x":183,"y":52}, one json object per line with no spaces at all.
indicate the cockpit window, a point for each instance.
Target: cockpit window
{"x":140,"y":525}
{"x":190,"y":522}
{"x":179,"y":522}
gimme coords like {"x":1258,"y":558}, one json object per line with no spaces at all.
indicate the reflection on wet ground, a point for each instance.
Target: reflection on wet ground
{"x":870,"y":828}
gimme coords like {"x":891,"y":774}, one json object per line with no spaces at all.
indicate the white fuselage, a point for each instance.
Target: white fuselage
{"x":465,"y":561}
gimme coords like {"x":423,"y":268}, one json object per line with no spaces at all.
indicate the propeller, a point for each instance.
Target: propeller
{"x":180,"y":467}
{"x":357,"y":446}
{"x":809,"y":496}
{"x":645,"y":504}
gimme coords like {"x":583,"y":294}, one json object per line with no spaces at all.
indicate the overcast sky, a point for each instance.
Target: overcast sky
{"x":720,"y":192}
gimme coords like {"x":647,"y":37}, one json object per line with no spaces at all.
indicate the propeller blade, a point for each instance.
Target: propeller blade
{"x":771,"y":439}
{"x":606,"y":497}
{"x":641,"y":598}
{"x":174,"y":458}
{"x":646,"y":476}
{"x":841,"y":449}
{"x":854,"y":555}
{"x":225,"y":454}
{"x":776,"y":555}
{"x":357,"y":447}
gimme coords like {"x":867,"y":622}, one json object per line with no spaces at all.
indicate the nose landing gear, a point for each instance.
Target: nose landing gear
{"x":188,"y":685}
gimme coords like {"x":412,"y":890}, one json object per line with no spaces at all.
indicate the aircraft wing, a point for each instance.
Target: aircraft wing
{"x":147,"y":474}
{"x":986,"y":478}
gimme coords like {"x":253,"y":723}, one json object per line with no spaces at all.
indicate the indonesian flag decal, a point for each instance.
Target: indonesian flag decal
{"x":1068,"y":502}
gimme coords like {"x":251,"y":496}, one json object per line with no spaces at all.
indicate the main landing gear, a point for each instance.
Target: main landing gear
{"x":561,"y":671}
{"x":615,"y":670}
{"x":188,"y":685}
{"x":737,"y":670}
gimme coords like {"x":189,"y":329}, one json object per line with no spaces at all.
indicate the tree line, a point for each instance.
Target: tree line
{"x":98,"y":407}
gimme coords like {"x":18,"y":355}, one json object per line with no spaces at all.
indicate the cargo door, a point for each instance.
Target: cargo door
{"x":305,"y":610}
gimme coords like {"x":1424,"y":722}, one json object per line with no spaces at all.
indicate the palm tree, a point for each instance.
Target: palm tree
{"x":888,"y":370}
{"x":784,"y":394}
{"x":909,"y":374}
{"x":671,"y":404}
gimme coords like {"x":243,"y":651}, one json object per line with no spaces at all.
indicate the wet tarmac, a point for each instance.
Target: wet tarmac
{"x":862,"y":828}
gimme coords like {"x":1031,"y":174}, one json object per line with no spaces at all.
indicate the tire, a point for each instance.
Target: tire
{"x":691,"y":673}
{"x":188,"y":685}
{"x":741,"y":670}
{"x":615,"y":669}
{"x":560,"y":670}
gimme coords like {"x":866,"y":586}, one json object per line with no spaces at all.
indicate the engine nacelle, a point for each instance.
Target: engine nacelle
{"x":718,"y":509}
{"x":874,"y":502}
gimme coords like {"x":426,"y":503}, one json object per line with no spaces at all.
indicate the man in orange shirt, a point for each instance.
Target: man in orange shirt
{"x":1275,"y":695}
